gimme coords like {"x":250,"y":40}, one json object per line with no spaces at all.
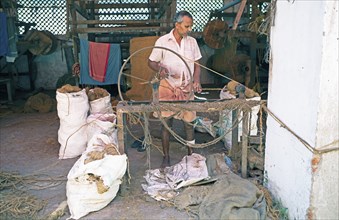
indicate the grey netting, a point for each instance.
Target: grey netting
{"x":200,"y":10}
{"x":47,"y":14}
{"x":51,"y":14}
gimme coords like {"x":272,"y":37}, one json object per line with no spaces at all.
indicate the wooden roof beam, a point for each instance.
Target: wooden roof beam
{"x":76,"y":7}
{"x":123,"y":5}
{"x":121,"y":29}
{"x":123,"y":22}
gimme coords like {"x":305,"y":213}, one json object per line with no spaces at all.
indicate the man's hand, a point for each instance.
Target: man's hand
{"x":197,"y":87}
{"x":158,"y":67}
{"x":163,"y":71}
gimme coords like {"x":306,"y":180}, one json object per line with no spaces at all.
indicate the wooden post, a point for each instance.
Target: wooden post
{"x":239,"y":13}
{"x":68,"y":51}
{"x":253,"y":55}
{"x":245,"y":131}
{"x":152,"y":10}
{"x":121,"y":130}
{"x":74,"y":33}
{"x":235,"y":146}
{"x":91,"y":36}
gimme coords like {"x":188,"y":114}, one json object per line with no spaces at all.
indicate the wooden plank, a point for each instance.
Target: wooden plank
{"x":244,"y":144}
{"x":120,"y":29}
{"x":75,"y":36}
{"x":121,"y":132}
{"x":253,"y":55}
{"x":123,"y":22}
{"x":194,"y":105}
{"x":235,"y":33}
{"x":254,"y":140}
{"x":124,"y":5}
{"x":131,"y":13}
{"x":124,"y":107}
{"x":91,"y":36}
{"x":152,"y":10}
{"x":163,"y":8}
{"x":235,"y":143}
{"x":240,"y":11}
{"x":81,"y":11}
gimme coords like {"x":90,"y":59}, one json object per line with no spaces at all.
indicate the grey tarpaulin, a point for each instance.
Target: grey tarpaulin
{"x":233,"y":197}
{"x":230,"y":197}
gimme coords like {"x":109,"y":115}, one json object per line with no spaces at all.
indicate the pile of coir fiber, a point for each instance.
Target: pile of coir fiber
{"x":97,"y":93}
{"x":41,"y":103}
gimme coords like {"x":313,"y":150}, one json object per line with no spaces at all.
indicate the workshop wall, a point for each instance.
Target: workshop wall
{"x":49,"y":68}
{"x":303,"y":85}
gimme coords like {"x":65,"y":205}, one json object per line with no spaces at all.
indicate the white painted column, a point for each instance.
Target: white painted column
{"x":303,"y":93}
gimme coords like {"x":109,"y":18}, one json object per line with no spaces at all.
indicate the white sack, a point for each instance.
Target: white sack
{"x":253,"y":129}
{"x":72,"y":111}
{"x":227,"y":123}
{"x":82,"y":195}
{"x":102,"y":124}
{"x":98,"y":141}
{"x":205,"y":125}
{"x":102,"y":105}
{"x":162,"y":185}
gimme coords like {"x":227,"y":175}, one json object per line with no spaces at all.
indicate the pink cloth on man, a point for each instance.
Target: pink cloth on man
{"x":169,"y":93}
{"x":178,"y":85}
{"x":98,"y":60}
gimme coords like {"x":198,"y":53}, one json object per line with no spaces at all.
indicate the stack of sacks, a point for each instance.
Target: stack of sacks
{"x":101,"y":120}
{"x":95,"y":178}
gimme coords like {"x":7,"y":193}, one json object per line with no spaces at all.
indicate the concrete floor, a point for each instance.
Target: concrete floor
{"x":28,"y":145}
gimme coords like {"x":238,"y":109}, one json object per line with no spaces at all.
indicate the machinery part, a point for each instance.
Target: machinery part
{"x":215,"y":33}
{"x":41,"y":42}
{"x":218,"y":13}
{"x":230,"y":64}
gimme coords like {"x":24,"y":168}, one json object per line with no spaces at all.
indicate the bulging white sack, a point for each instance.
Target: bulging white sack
{"x":102,"y":124}
{"x":227,"y":123}
{"x":84,"y":195}
{"x":72,"y":111}
{"x":101,"y":105}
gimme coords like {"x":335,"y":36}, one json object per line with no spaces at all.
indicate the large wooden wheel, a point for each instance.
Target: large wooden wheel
{"x":147,"y":83}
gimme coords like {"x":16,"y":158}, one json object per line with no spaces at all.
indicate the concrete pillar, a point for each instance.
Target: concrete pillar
{"x":303,"y":93}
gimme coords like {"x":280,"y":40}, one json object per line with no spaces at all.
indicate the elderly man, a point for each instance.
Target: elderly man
{"x":176,"y":78}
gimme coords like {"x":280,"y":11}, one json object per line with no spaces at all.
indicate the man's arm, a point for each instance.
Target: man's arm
{"x":157,"y":67}
{"x":196,"y":78}
{"x":154,"y":65}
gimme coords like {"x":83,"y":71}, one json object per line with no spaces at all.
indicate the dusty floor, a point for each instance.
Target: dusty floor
{"x":29,"y":146}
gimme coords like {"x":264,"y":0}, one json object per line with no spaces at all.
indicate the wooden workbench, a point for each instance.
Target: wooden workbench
{"x":125,"y":107}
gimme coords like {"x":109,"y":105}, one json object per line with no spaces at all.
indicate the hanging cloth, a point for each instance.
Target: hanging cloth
{"x":112,"y":68}
{"x":98,"y":59}
{"x":3,"y":34}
